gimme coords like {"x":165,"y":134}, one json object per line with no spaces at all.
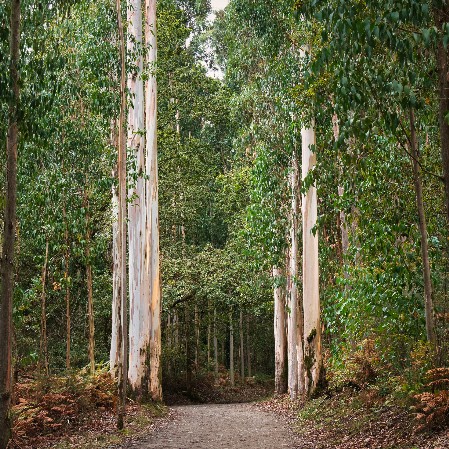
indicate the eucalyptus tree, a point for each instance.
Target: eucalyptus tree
{"x":264,"y":69}
{"x":139,"y":324}
{"x":396,"y":73}
{"x":7,"y":261}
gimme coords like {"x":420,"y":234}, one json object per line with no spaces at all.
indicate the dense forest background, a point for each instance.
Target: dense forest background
{"x":233,"y":96}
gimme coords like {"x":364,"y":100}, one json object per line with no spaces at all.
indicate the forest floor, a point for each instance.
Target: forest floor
{"x":355,"y":420}
{"x":226,"y":426}
{"x":78,"y":412}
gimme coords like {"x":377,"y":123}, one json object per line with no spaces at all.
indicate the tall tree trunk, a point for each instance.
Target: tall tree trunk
{"x":223,"y":352}
{"x":176,"y":329}
{"x":341,"y":191}
{"x":90,"y":299}
{"x":7,"y":261}
{"x":188,"y":349}
{"x":209,"y":334}
{"x":122,"y":310}
{"x":139,"y":316}
{"x":441,"y":17}
{"x":430,"y":328}
{"x":67,"y":288}
{"x":114,"y":355}
{"x":197,"y":338}
{"x":152,"y":203}
{"x":311,"y":296}
{"x":248,"y":346}
{"x":242,"y":352}
{"x":231,"y":349}
{"x":294,"y":275}
{"x":43,"y":352}
{"x":215,"y":343}
{"x":280,"y":336}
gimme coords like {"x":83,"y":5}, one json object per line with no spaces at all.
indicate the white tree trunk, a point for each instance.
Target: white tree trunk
{"x":139,"y":327}
{"x":292,"y":335}
{"x":311,"y":297}
{"x":114,"y":355}
{"x":280,"y":336}
{"x":152,"y":265}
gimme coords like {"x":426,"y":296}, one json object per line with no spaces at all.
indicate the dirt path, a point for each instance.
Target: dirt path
{"x":218,"y":427}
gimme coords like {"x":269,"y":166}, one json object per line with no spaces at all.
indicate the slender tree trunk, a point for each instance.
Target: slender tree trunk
{"x":197,"y":338}
{"x":67,"y":289}
{"x":188,"y":349}
{"x":441,"y":17}
{"x":231,"y":349}
{"x":139,"y":317}
{"x":90,"y":299}
{"x":280,"y":336}
{"x":223,"y":352}
{"x":341,"y":191}
{"x":242,"y":352}
{"x":311,"y":297}
{"x":215,"y":343}
{"x":292,"y":334}
{"x":176,"y":329}
{"x":294,"y":275}
{"x":122,"y":310}
{"x":208,"y":335}
{"x":430,"y":328}
{"x":114,"y":355}
{"x":43,"y":362}
{"x":7,"y":261}
{"x":248,"y":346}
{"x":152,"y":203}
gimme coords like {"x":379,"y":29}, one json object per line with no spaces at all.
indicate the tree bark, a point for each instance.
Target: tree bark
{"x":242,"y":352}
{"x":215,"y":343}
{"x":280,"y":336}
{"x":311,"y":297}
{"x":90,"y":299}
{"x":197,"y":338}
{"x":341,"y":191}
{"x":231,"y":350}
{"x":7,"y":260}
{"x":209,"y":334}
{"x":152,"y":203}
{"x":248,"y":346}
{"x":114,"y":355}
{"x":294,"y":275}
{"x":67,"y":289}
{"x":122,"y":309}
{"x":430,"y":328}
{"x":43,"y":356}
{"x":139,"y":317}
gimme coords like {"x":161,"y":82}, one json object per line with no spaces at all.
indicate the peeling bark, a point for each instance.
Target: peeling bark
{"x":139,"y":319}
{"x":311,"y":297}
{"x":152,"y":263}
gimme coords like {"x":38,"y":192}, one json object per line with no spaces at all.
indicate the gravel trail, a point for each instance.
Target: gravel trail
{"x":219,"y":427}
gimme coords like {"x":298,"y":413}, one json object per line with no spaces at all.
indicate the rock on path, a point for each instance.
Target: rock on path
{"x":219,"y":427}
